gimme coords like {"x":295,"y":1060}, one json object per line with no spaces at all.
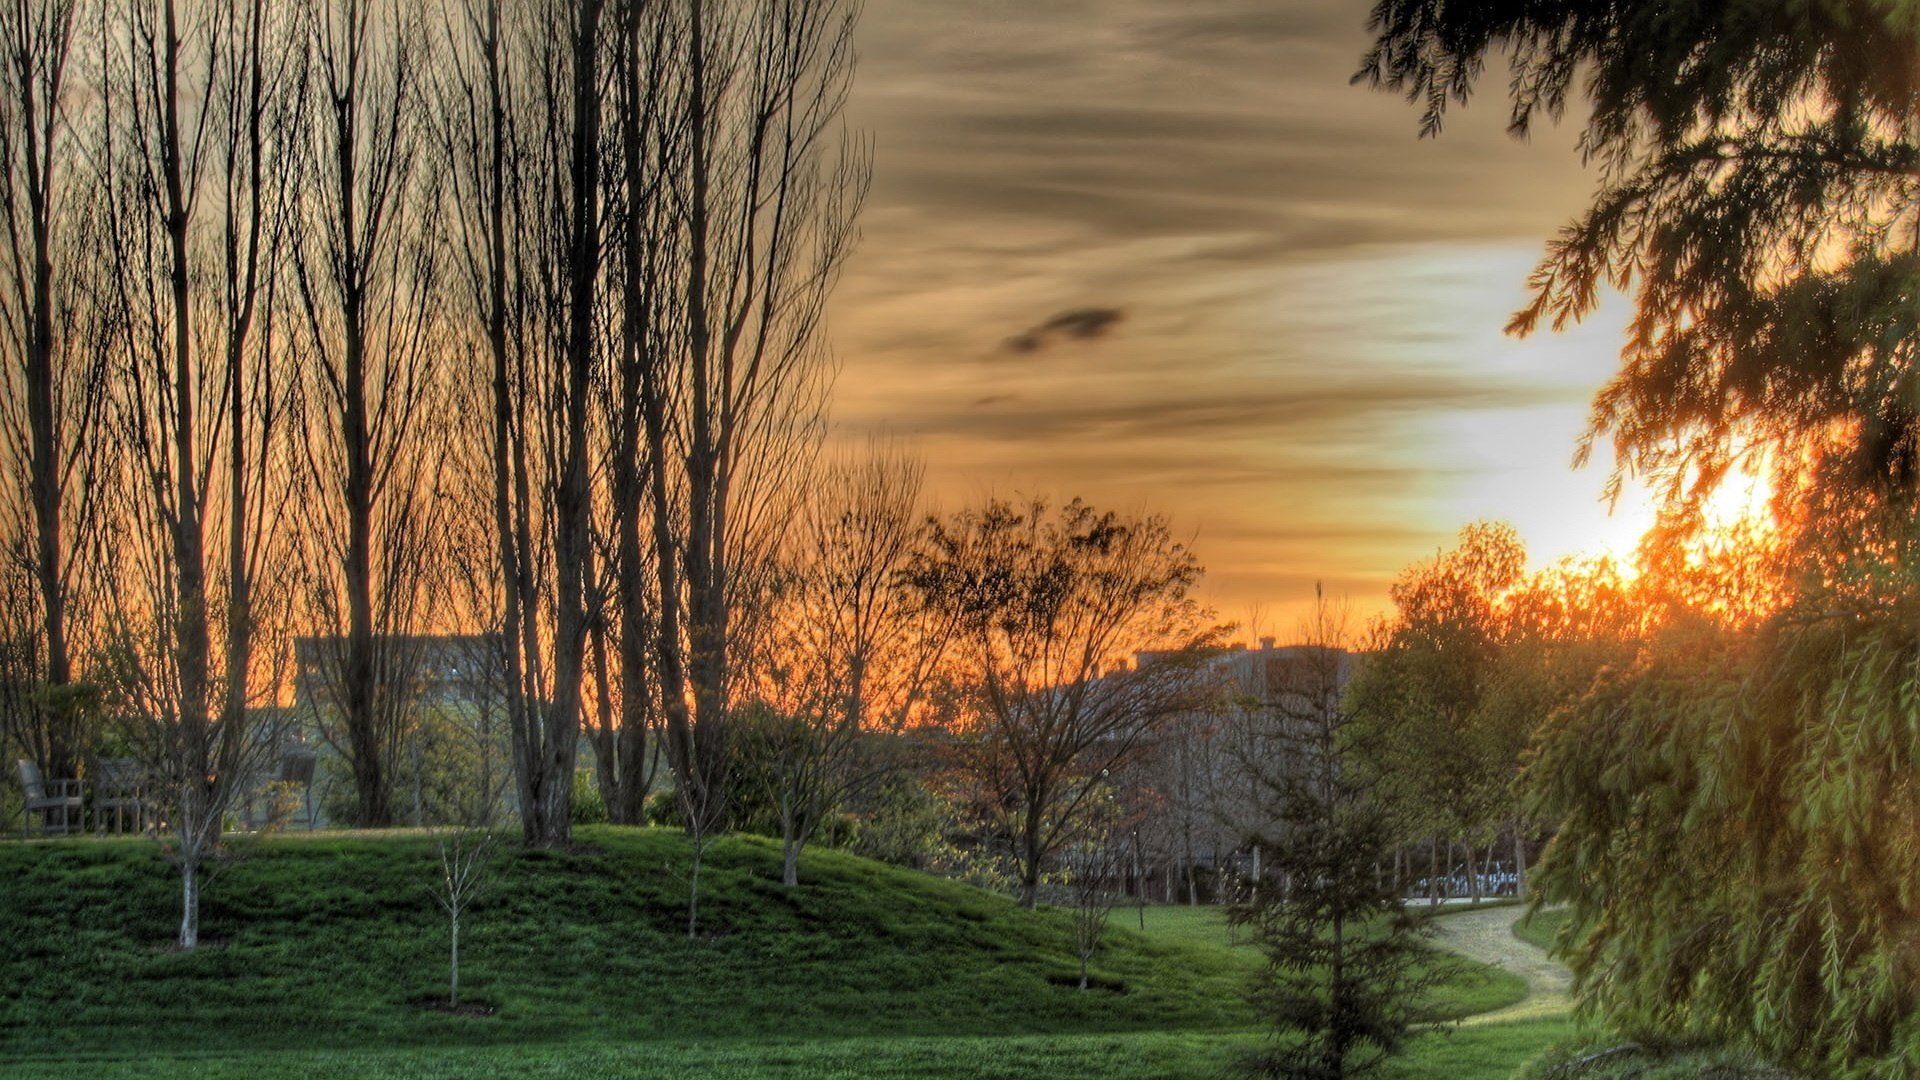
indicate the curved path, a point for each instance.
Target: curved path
{"x":1487,"y":936}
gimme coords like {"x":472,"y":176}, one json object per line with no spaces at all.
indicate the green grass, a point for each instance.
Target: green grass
{"x":1476,"y":988}
{"x":1492,"y":1051}
{"x":319,"y":948}
{"x":1541,"y":929}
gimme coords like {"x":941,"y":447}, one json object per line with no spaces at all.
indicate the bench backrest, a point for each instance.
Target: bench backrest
{"x":30,"y":779}
{"x":116,"y":775}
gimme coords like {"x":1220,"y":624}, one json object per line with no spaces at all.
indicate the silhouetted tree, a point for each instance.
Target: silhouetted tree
{"x":853,"y":649}
{"x":367,"y":273}
{"x":198,"y":113}
{"x":53,"y":385}
{"x":749,"y":205}
{"x":523,"y":103}
{"x":1049,"y":604}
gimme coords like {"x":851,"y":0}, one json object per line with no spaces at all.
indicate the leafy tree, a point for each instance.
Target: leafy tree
{"x":1759,"y":191}
{"x":1448,"y":769}
{"x":1561,"y":628}
{"x":1732,"y":848}
{"x":1730,"y":839}
{"x":1347,"y":964}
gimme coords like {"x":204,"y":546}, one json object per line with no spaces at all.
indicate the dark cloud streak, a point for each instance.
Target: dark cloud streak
{"x":1076,"y":324}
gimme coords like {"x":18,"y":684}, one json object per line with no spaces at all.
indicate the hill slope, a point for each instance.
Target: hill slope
{"x":326,"y":945}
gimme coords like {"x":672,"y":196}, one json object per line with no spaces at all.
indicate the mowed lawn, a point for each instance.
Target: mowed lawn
{"x":321,"y":950}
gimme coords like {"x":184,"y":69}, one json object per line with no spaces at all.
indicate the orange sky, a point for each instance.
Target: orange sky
{"x":1282,"y":310}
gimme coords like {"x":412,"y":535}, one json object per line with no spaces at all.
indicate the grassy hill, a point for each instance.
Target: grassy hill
{"x":320,"y":950}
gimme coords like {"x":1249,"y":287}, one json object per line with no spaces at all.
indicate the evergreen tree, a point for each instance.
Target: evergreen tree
{"x":1759,"y":192}
{"x":1347,"y":965}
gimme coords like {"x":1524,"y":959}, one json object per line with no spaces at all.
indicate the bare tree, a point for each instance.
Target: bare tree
{"x":856,"y":648}
{"x":1097,"y":866}
{"x":196,"y":110}
{"x":624,"y":728}
{"x":367,"y":271}
{"x":524,"y":100}
{"x":761,"y":189}
{"x":1050,"y":603}
{"x":52,"y":386}
{"x":466,"y":856}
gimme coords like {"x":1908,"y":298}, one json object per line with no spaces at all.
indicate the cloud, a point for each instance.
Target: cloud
{"x":1078,"y":324}
{"x":1313,"y":294}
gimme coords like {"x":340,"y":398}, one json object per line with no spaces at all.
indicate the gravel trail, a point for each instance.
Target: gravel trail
{"x":1487,"y":936}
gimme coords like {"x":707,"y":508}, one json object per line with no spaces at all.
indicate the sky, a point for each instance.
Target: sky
{"x":1161,"y":255}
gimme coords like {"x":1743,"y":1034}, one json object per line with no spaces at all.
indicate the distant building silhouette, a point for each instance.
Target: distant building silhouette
{"x":440,"y":669}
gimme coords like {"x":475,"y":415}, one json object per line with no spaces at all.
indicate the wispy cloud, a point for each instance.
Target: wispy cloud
{"x":1310,"y":290}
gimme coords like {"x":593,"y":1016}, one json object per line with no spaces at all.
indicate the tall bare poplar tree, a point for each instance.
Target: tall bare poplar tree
{"x":628,"y":702}
{"x":367,"y":273}
{"x":525,"y":97}
{"x":51,"y":386}
{"x":195,"y":111}
{"x":763,"y":190}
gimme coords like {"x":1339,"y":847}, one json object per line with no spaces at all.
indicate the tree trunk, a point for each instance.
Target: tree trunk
{"x":1519,"y":861}
{"x":189,"y":904}
{"x":790,"y":862}
{"x":453,"y":977}
{"x":1473,"y":873}
{"x":693,"y":891}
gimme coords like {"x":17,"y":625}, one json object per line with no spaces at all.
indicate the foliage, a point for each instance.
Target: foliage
{"x":1737,"y":849}
{"x":449,"y":771}
{"x":588,"y":806}
{"x":1347,"y":965}
{"x":1441,"y":761}
{"x":1600,"y":1059}
{"x":1759,"y":192}
{"x":902,"y":821}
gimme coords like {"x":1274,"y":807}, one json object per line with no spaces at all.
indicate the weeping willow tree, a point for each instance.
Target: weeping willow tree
{"x":1739,"y":839}
{"x":1739,"y":798}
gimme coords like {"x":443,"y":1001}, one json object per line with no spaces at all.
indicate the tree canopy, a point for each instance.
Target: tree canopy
{"x":1759,"y":193}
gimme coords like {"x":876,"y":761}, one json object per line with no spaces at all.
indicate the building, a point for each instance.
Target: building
{"x":439,"y":669}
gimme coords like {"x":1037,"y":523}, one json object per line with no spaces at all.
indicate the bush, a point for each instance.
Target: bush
{"x":663,"y":808}
{"x":589,"y":808}
{"x":904,"y":823}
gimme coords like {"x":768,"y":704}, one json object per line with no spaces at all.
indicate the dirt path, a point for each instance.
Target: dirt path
{"x":1487,"y":936}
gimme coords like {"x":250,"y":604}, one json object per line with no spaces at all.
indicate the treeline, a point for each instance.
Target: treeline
{"x":367,"y":320}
